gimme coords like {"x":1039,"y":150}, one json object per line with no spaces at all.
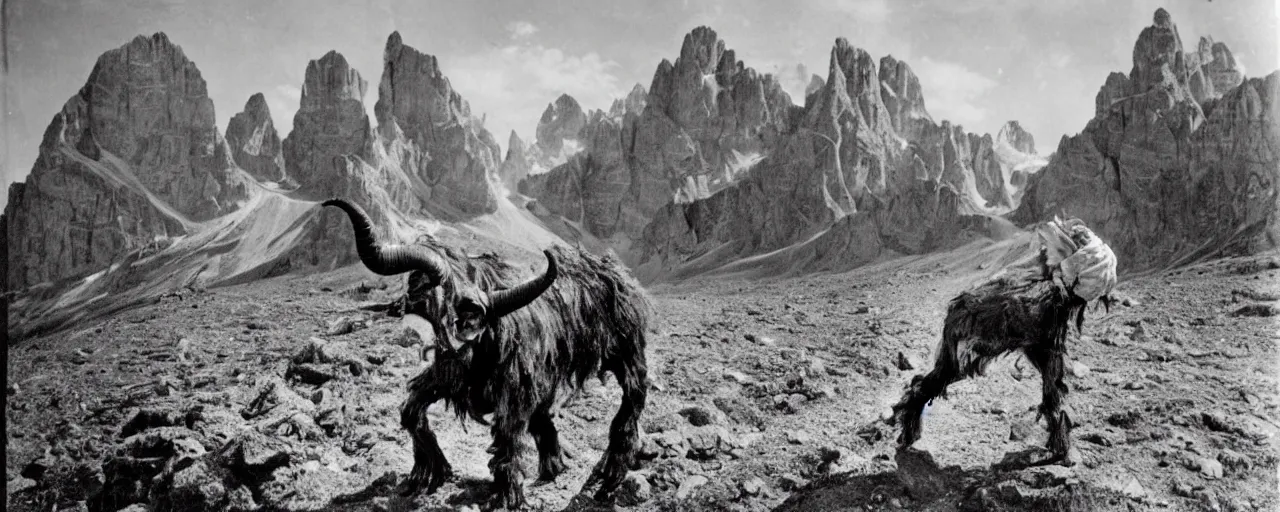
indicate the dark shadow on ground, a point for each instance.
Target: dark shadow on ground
{"x":384,"y":494}
{"x":1019,"y":482}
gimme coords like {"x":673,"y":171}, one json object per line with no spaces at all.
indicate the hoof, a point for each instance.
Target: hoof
{"x":550,"y":469}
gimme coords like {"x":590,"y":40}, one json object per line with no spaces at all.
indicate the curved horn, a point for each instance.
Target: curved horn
{"x":503,"y":302}
{"x":388,"y":260}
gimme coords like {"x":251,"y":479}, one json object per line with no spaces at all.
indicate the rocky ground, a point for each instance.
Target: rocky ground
{"x":283,"y":394}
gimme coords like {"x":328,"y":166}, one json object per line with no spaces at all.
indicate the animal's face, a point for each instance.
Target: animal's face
{"x":457,"y":310}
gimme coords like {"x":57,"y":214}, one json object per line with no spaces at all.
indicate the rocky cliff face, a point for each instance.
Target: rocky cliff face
{"x":1017,"y":138}
{"x":558,"y":137}
{"x":705,"y":121}
{"x":562,"y":133}
{"x":707,"y":114}
{"x":562,"y":122}
{"x":330,"y":129}
{"x":431,"y":133}
{"x":864,"y":159}
{"x":427,"y":156}
{"x":121,"y":174}
{"x":516,"y":166}
{"x":255,"y":145}
{"x":594,"y":187}
{"x":133,"y":158}
{"x":1172,"y":167}
{"x":635,"y":101}
{"x":1015,"y":148}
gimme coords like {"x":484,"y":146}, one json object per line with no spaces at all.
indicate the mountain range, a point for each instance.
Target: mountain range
{"x":712,"y":169}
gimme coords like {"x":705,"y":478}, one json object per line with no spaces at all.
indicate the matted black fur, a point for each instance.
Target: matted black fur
{"x":591,"y":321}
{"x":995,"y":319}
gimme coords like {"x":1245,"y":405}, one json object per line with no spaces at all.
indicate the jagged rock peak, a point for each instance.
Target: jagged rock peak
{"x":255,"y":144}
{"x":403,"y":55}
{"x":852,"y":59}
{"x":257,"y":104}
{"x":432,"y":132}
{"x":702,"y":46}
{"x":563,"y":119}
{"x":516,"y":166}
{"x":901,"y":93}
{"x":1158,"y":47}
{"x":816,"y":83}
{"x":515,"y":143}
{"x":1223,"y":70}
{"x":564,"y":110}
{"x":1018,"y":138}
{"x":79,"y":210}
{"x":635,"y":101}
{"x":330,"y":79}
{"x":1162,"y":19}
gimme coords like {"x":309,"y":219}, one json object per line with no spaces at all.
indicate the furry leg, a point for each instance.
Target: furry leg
{"x":550,"y":457}
{"x":922,"y":390}
{"x":508,"y":489}
{"x":624,"y":433}
{"x":430,"y":467}
{"x":1052,"y":370}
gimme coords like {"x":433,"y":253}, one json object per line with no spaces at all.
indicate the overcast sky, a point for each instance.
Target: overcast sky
{"x":981,"y":62}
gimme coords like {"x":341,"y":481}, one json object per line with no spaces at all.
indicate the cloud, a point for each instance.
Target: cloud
{"x":521,"y":29}
{"x":793,"y":77}
{"x":283,"y":101}
{"x":953,"y":91}
{"x":511,"y":86}
{"x":871,"y":11}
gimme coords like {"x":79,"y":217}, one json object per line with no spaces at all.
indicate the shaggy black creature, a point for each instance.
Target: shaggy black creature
{"x":1000,"y":317}
{"x":513,"y":349}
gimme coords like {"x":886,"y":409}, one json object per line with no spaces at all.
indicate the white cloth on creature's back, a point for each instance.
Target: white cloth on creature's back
{"x":1090,"y":270}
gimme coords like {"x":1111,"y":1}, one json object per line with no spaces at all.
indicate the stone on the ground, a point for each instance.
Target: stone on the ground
{"x":1021,"y":430}
{"x":830,"y":453}
{"x":635,"y":490}
{"x":1216,"y":421}
{"x":1048,"y":475}
{"x":791,"y":482}
{"x":416,"y":331}
{"x":699,"y":416}
{"x":1078,"y":369}
{"x":18,"y":484}
{"x":908,"y":361}
{"x":344,"y":325}
{"x":153,"y":417}
{"x":165,"y":442}
{"x":737,"y":376}
{"x":689,"y":485}
{"x":36,"y":469}
{"x":256,"y":452}
{"x":1209,"y":468}
{"x":752,"y":487}
{"x":1139,"y":333}
{"x":194,"y":487}
{"x":1133,"y":489}
{"x":1235,"y":461}
{"x":1182,"y":489}
{"x":183,"y":349}
{"x":798,"y":437}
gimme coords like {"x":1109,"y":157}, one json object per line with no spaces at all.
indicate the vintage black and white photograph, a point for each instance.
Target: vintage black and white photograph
{"x":668,"y":255}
